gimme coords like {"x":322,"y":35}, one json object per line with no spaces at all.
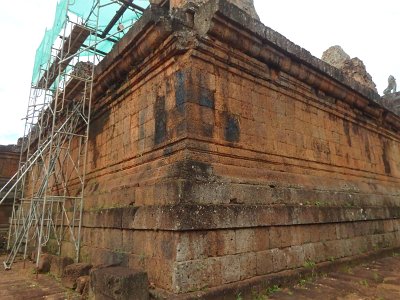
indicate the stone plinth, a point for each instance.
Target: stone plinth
{"x":221,"y":154}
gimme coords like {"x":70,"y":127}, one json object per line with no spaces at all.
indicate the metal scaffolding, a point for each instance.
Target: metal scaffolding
{"x":49,"y":185}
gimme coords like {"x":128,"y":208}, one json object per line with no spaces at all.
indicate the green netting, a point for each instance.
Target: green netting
{"x":86,"y":11}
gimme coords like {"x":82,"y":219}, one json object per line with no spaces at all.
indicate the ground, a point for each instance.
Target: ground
{"x":376,"y":280}
{"x":21,"y":283}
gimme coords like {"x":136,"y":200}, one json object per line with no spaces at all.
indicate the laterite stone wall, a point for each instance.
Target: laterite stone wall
{"x":221,"y":153}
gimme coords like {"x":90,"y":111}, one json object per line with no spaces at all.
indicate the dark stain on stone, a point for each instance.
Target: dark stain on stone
{"x":332,"y":117}
{"x":167,"y":151}
{"x":346,"y":128}
{"x":195,"y":170}
{"x":367,"y":149}
{"x":207,"y":98}
{"x":167,"y":249}
{"x":232,"y":128}
{"x":160,"y":117}
{"x":142,"y":118}
{"x":181,"y":128}
{"x":191,"y":173}
{"x":385,"y":158}
{"x":208,"y":130}
{"x":354,"y":127}
{"x":180,"y":90}
{"x":95,"y":187}
{"x":97,"y":127}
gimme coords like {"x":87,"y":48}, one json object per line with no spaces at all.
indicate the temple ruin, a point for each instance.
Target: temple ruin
{"x":219,"y":154}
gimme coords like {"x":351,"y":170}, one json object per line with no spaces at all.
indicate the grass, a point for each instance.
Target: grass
{"x":239,"y":296}
{"x":364,"y":282}
{"x":309,"y":264}
{"x":273,"y":289}
{"x":260,"y":297}
{"x":304,"y":281}
{"x":264,"y":296}
{"x":347,"y":269}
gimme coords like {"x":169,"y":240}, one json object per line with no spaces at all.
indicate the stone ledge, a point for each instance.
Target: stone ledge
{"x":10,"y":148}
{"x":210,"y":217}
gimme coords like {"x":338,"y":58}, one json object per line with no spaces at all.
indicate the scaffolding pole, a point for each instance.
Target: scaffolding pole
{"x":49,"y":190}
{"x":49,"y":185}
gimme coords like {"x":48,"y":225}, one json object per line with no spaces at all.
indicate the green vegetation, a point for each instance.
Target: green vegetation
{"x":309,"y":264}
{"x":347,"y":269}
{"x":364,"y":282}
{"x":239,"y":296}
{"x":273,"y":289}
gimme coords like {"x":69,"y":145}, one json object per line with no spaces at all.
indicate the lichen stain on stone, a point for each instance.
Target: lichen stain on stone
{"x":232,"y":128}
{"x":367,"y":149}
{"x":160,"y":117}
{"x":207,"y":130}
{"x":385,"y":157}
{"x":346,"y":128}
{"x":97,"y":127}
{"x":180,"y":91}
{"x":207,"y":98}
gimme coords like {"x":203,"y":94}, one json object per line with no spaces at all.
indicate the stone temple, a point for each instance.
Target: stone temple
{"x":221,"y":155}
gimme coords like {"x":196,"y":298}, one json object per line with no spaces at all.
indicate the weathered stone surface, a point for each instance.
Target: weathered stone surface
{"x":352,"y":67}
{"x":356,"y":69}
{"x":335,"y":56}
{"x":73,"y":272}
{"x":58,"y":264}
{"x":82,"y":285}
{"x":245,"y":5}
{"x":118,"y":283}
{"x":392,"y":102}
{"x":44,"y":263}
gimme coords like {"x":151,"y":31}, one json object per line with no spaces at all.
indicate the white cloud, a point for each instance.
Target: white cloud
{"x":22,"y":32}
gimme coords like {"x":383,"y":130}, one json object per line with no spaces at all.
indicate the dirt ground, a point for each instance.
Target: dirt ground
{"x":375,"y":280}
{"x":21,"y":283}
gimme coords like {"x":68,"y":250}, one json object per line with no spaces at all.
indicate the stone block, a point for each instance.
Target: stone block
{"x":58,"y":264}
{"x":294,"y":257}
{"x":118,"y":283}
{"x":245,"y":240}
{"x":225,"y":242}
{"x":264,"y":262}
{"x":230,"y":268}
{"x":278,"y":259}
{"x":73,"y":272}
{"x":262,"y":242}
{"x":82,"y":285}
{"x":44,"y":263}
{"x":248,"y":265}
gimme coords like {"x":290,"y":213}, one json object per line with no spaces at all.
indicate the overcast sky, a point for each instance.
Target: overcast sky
{"x":365,"y":29}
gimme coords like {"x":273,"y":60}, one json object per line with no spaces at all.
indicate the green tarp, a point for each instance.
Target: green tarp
{"x":95,"y":14}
